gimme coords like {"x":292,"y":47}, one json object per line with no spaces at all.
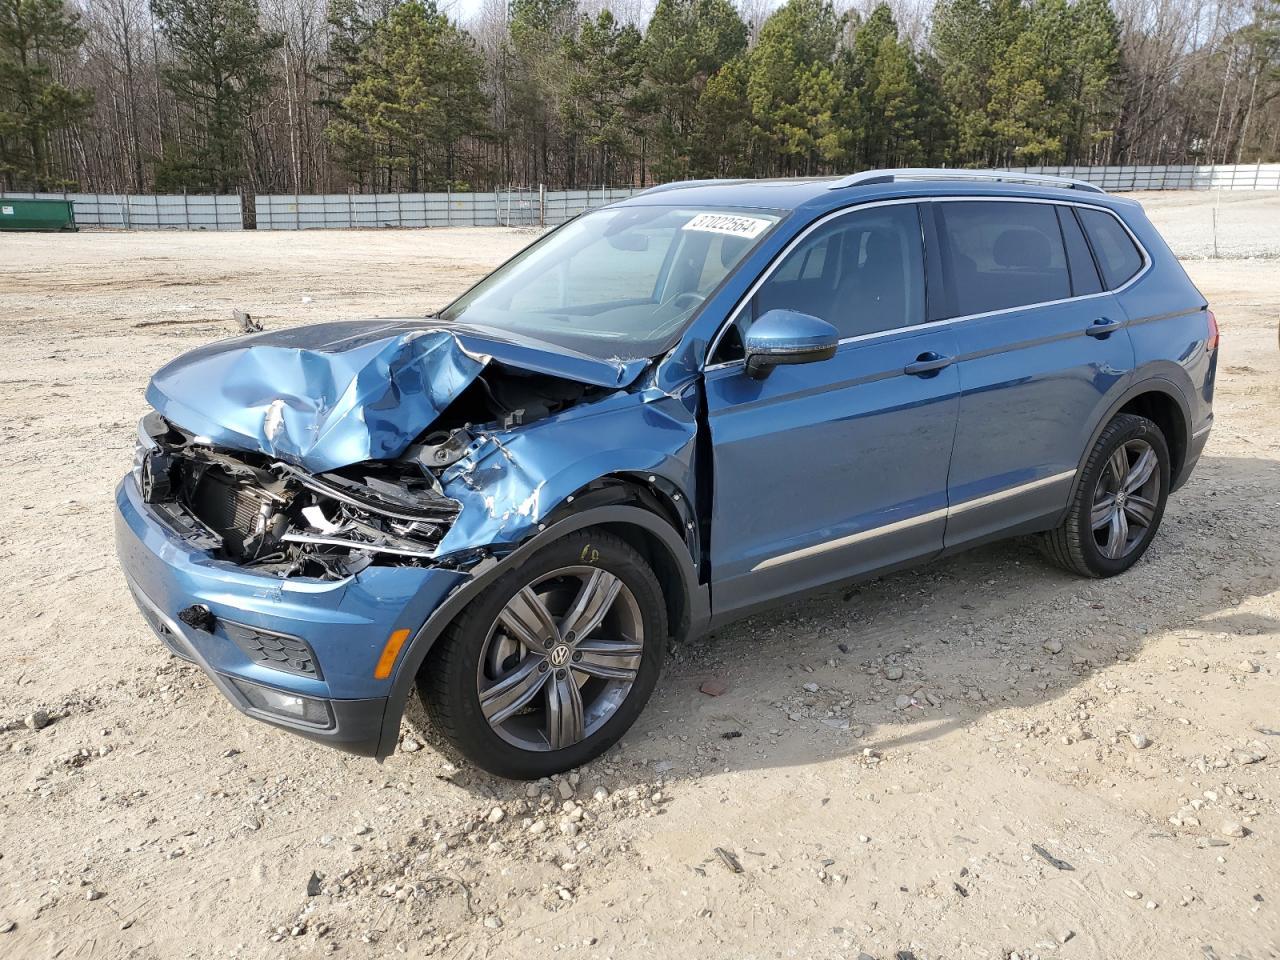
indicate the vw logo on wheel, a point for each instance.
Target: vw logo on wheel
{"x":560,"y":655}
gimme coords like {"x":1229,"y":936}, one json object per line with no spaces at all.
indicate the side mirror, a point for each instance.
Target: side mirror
{"x":787,"y":336}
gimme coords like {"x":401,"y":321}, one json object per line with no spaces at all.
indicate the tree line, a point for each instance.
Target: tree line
{"x":305,"y":96}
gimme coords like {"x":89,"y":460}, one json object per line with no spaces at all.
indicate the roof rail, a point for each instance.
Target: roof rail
{"x":869,"y":177}
{"x":682,"y":184}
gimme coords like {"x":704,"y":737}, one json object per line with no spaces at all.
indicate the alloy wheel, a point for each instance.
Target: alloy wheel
{"x":560,"y":658}
{"x":1126,"y":498}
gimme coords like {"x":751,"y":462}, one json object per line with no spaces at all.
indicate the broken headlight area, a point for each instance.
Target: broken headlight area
{"x":259,"y":511}
{"x":276,"y":518}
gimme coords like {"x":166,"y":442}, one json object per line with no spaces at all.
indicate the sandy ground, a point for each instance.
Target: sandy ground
{"x":1004,"y":809}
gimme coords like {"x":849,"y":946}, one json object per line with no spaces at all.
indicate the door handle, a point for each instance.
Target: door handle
{"x":927,"y":364}
{"x":1102,"y":328}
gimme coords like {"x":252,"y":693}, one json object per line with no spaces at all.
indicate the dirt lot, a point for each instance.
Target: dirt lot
{"x":998,"y":758}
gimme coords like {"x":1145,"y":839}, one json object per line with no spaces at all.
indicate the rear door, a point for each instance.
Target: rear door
{"x":828,"y":469}
{"x":1042,"y":350}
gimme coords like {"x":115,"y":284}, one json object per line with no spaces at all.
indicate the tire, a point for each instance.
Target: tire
{"x":484,"y":667}
{"x":1077,"y":545}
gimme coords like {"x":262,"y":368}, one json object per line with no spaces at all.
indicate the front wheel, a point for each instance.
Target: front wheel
{"x":549,"y":666}
{"x":1118,"y":503}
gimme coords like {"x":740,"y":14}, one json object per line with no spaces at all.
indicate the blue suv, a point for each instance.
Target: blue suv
{"x":664,"y":415}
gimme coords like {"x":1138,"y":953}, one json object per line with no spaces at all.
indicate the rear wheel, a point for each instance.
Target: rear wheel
{"x":550,"y":665}
{"x":1118,"y":503}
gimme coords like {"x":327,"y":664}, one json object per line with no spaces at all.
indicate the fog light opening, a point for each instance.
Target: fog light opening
{"x":280,"y":703}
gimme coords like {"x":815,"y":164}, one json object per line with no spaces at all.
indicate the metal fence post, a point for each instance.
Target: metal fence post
{"x":542,"y":204}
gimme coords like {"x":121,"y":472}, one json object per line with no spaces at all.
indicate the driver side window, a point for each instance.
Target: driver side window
{"x":862,"y":272}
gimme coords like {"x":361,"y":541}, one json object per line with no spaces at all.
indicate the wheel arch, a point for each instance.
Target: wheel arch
{"x":615,"y":504}
{"x":664,"y":499}
{"x":1162,"y":409}
{"x":1160,"y":401}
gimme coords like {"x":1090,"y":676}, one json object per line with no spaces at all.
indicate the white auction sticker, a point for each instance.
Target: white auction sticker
{"x":729,"y":223}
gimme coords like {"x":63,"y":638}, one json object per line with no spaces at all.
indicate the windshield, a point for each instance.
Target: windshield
{"x":617,"y":283}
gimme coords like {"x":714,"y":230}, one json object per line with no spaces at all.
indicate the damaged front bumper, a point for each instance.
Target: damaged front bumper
{"x":299,"y":653}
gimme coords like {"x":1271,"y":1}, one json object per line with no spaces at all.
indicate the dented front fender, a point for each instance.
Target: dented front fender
{"x":510,"y":482}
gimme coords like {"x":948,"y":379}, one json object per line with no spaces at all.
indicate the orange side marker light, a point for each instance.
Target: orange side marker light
{"x":389,"y":654}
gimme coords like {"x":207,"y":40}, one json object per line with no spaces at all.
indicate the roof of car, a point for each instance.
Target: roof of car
{"x":817,"y":194}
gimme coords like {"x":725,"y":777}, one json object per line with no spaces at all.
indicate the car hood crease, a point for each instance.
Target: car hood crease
{"x":333,"y":394}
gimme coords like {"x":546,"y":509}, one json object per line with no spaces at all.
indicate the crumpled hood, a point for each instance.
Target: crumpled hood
{"x":331,"y":394}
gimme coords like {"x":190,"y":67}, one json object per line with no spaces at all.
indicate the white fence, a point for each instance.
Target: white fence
{"x":552,"y":207}
{"x":506,"y":208}
{"x":149,"y":211}
{"x":1254,"y":176}
{"x":524,"y":207}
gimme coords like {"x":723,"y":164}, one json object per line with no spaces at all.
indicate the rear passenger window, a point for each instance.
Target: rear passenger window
{"x":1001,"y":255}
{"x":1084,"y":274}
{"x":1117,"y":256}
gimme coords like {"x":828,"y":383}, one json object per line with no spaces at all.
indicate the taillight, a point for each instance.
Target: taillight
{"x":1211,"y":341}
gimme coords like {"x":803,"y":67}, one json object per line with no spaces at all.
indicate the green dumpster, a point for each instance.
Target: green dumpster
{"x":18,"y":214}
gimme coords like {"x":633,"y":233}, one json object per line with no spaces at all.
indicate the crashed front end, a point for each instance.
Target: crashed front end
{"x":301,"y":502}
{"x":277,"y":519}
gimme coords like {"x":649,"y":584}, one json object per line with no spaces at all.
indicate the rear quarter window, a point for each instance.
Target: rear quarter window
{"x":1118,"y":258}
{"x":1084,"y":272}
{"x":1001,"y":255}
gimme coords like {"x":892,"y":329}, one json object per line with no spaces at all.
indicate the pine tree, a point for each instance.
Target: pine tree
{"x":1092,"y":78}
{"x":935,"y":124}
{"x":539,"y":31}
{"x":33,"y":103}
{"x":969,"y":39}
{"x":884,"y":106}
{"x":415,"y":96}
{"x":1023,"y":115}
{"x":721,"y":139}
{"x":600,"y":93}
{"x":219,"y":72}
{"x":686,"y":44}
{"x":351,"y":27}
{"x":1262,"y":43}
{"x":793,"y":89}
{"x":1052,"y":89}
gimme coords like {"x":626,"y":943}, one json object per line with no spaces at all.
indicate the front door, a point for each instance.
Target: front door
{"x":826,"y":470}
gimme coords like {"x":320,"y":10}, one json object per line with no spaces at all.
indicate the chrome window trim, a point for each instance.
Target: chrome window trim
{"x":947,"y":512}
{"x":929,"y":324}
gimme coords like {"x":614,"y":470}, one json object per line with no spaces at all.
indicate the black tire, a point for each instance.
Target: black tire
{"x":447,"y":682}
{"x":1075,"y":545}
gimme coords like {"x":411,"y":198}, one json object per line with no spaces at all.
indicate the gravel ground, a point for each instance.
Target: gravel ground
{"x":981,"y":758}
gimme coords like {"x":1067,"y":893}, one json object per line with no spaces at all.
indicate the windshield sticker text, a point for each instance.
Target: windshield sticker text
{"x":749,"y":227}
